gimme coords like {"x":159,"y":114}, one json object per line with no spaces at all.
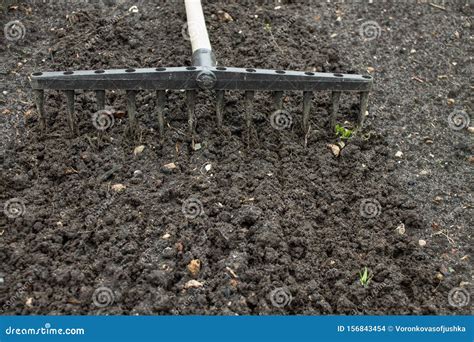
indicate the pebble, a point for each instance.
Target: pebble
{"x":335,"y":149}
{"x":470,"y":129}
{"x":401,"y":229}
{"x":424,"y":172}
{"x":399,"y":154}
{"x":138,"y":149}
{"x":193,"y":284}
{"x":168,"y":168}
{"x":118,"y":187}
{"x":168,"y":252}
{"x":137,"y":173}
{"x":166,"y":236}
{"x":422,"y":243}
{"x":194,"y":267}
{"x":437,"y":199}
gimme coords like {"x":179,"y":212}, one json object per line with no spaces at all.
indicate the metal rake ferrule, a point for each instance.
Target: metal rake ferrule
{"x":204,"y":74}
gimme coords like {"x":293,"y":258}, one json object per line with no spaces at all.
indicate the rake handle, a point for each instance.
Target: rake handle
{"x":201,"y":46}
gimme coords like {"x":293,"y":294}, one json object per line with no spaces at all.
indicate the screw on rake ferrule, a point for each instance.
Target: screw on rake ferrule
{"x":206,"y":80}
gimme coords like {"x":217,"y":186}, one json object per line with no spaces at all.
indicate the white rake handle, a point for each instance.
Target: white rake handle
{"x":196,"y":25}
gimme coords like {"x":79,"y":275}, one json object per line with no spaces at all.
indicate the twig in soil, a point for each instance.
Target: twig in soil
{"x":417,"y":79}
{"x":231,"y":271}
{"x":437,"y":6}
{"x":450,"y":239}
{"x":109,"y":173}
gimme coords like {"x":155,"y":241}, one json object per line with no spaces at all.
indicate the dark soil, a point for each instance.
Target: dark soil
{"x":276,"y":215}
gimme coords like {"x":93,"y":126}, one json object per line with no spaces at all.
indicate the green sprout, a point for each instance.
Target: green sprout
{"x":365,"y":277}
{"x":342,"y":132}
{"x":267,"y":27}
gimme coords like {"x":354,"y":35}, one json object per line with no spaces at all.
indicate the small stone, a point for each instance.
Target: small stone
{"x":133,"y":9}
{"x":193,"y":284}
{"x":450,"y":102}
{"x":439,"y":276}
{"x":400,"y":229}
{"x":2,"y":280}
{"x":168,"y":168}
{"x":437,"y":199}
{"x":197,"y":147}
{"x":335,"y":149}
{"x":138,"y":149}
{"x":169,"y":252}
{"x":422,"y":243}
{"x":137,"y":174}
{"x":29,"y":302}
{"x":424,"y":172}
{"x":224,"y":16}
{"x":370,"y":70}
{"x":471,"y":159}
{"x":470,"y":129}
{"x":399,"y":154}
{"x":194,"y":267}
{"x":166,"y":236}
{"x":118,"y":187}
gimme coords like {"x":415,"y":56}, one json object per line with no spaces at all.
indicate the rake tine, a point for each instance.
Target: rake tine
{"x":131,"y":109}
{"x":100,"y":97}
{"x":161,"y":94}
{"x":191,"y":103}
{"x":307,"y":96}
{"x":364,"y":100}
{"x":335,"y":97}
{"x":70,"y":112}
{"x":278,"y":99}
{"x":249,"y":95}
{"x":220,"y":107}
{"x":39,"y":100}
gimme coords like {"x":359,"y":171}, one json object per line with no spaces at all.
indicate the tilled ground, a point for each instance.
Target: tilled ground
{"x":282,"y":228}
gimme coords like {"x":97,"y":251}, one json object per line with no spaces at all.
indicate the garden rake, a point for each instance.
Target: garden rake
{"x":204,"y":74}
